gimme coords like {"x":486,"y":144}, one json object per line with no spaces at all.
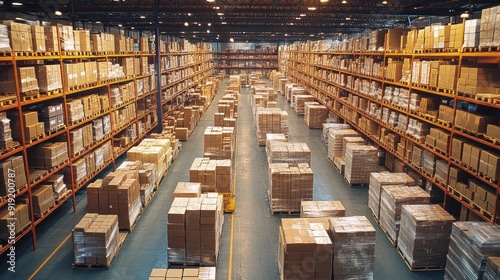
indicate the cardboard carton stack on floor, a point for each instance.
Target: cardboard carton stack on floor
{"x":147,"y":177}
{"x":270,"y":120}
{"x":96,"y":240}
{"x":353,"y":247}
{"x":301,"y":241}
{"x":335,"y":126}
{"x":391,"y":201}
{"x":293,"y":92}
{"x":377,"y":180}
{"x":360,"y":161}
{"x":214,"y":176}
{"x":43,"y":199}
{"x":299,"y":101}
{"x":317,"y":209}
{"x":315,"y":114}
{"x":289,"y":184}
{"x":187,"y":189}
{"x":118,"y":194}
{"x":219,"y":142}
{"x":336,"y":141}
{"x":288,"y":152}
{"x":270,"y":137}
{"x":424,"y":235}
{"x":198,"y":273}
{"x":194,"y":230}
{"x":267,"y":92}
{"x":20,"y":214}
{"x":153,"y":150}
{"x":471,"y":243}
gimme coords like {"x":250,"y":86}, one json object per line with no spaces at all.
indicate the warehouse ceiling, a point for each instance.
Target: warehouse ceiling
{"x":249,"y":20}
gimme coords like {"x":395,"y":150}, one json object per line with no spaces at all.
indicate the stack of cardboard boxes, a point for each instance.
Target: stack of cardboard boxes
{"x":270,"y":137}
{"x":360,"y":161}
{"x":298,"y":102}
{"x":52,"y":116}
{"x":74,"y":107}
{"x":213,"y":175}
{"x":474,"y":80}
{"x":123,"y":116}
{"x":20,"y":36}
{"x":26,"y":76}
{"x":59,"y":188}
{"x":157,"y":151}
{"x":353,"y":247}
{"x":43,"y":200}
{"x":20,"y":214}
{"x":67,"y":37}
{"x":49,"y":77}
{"x":335,"y":140}
{"x":288,"y":152}
{"x":147,"y":178}
{"x":456,"y":36}
{"x":439,"y":139}
{"x":201,"y":273}
{"x":476,"y":241}
{"x":447,"y":77}
{"x":13,"y":166}
{"x":492,"y":271}
{"x":326,"y":130}
{"x":289,"y":184}
{"x":377,"y":180}
{"x":6,"y":140}
{"x":302,"y":241}
{"x":270,"y":120}
{"x":118,"y":194}
{"x":424,"y":236}
{"x":194,"y":230}
{"x":32,"y":127}
{"x":219,"y":142}
{"x":82,"y":40}
{"x":391,"y":200}
{"x":490,"y":27}
{"x":318,"y":209}
{"x":187,"y":189}
{"x":50,"y":155}
{"x":315,"y":114}
{"x":96,"y":240}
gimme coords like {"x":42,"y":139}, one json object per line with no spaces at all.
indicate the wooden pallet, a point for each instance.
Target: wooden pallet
{"x":439,"y":151}
{"x":37,"y":175}
{"x":148,"y":199}
{"x":284,"y":212}
{"x":55,"y":130}
{"x":460,"y":196}
{"x":466,"y":131}
{"x":470,"y":49}
{"x":492,"y":140}
{"x":444,"y":123}
{"x":44,"y":214}
{"x":440,"y":182}
{"x":414,"y":267}
{"x":490,"y":49}
{"x":30,"y":96}
{"x":427,"y":117}
{"x":52,"y":92}
{"x":487,"y":178}
{"x":356,"y":185}
{"x":135,"y":223}
{"x":122,"y":237}
{"x":14,"y":146}
{"x":34,"y":139}
{"x":482,"y":211}
{"x":66,"y":194}
{"x":373,"y":215}
{"x":7,"y":100}
{"x":488,"y":98}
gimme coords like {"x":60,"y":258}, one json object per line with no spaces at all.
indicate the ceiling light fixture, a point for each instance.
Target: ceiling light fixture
{"x":223,"y":22}
{"x":465,"y":15}
{"x":298,"y":18}
{"x":17,"y":4}
{"x":220,"y":14}
{"x":120,"y":25}
{"x":344,"y":2}
{"x":211,"y":1}
{"x":286,"y":34}
{"x":312,"y":35}
{"x":208,"y":31}
{"x":58,"y":13}
{"x":216,"y":8}
{"x":209,"y":24}
{"x":186,"y":23}
{"x":347,"y":18}
{"x":132,"y":28}
{"x":311,"y":8}
{"x":199,"y":24}
{"x":142,"y":17}
{"x":323,"y":1}
{"x":384,"y":2}
{"x":302,"y":15}
{"x":97,"y":22}
{"x":231,"y":40}
{"x":189,"y":14}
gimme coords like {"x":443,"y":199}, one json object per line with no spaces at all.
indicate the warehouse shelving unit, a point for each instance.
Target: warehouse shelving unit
{"x":247,"y":60}
{"x":143,"y":120}
{"x":344,"y":87}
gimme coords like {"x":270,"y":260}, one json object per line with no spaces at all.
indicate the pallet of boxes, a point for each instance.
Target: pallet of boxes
{"x":175,"y":144}
{"x":270,"y":120}
{"x":194,"y":230}
{"x":198,"y":273}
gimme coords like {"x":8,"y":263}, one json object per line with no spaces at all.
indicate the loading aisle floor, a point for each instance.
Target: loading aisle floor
{"x":251,"y":254}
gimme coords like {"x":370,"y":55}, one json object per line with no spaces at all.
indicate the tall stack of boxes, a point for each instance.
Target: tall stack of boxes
{"x":288,"y":152}
{"x":424,"y":236}
{"x":377,"y":180}
{"x":360,"y":161}
{"x":270,"y":120}
{"x":214,"y":176}
{"x":49,"y":77}
{"x":20,"y":214}
{"x":471,"y":243}
{"x":52,"y":116}
{"x":353,"y":247}
{"x":391,"y":200}
{"x":289,"y":185}
{"x":299,"y":101}
{"x":218,"y":142}
{"x":194,"y":230}
{"x":490,"y":27}
{"x":118,"y":194}
{"x":96,"y":240}
{"x":472,"y":33}
{"x":50,"y":155}
{"x":6,"y":140}
{"x":301,"y":239}
{"x":447,"y":77}
{"x":20,"y":36}
{"x":474,"y":80}
{"x":315,"y":115}
{"x":336,"y":141}
{"x":32,"y":127}
{"x":27,"y":81}
{"x":157,"y":151}
{"x":12,"y":165}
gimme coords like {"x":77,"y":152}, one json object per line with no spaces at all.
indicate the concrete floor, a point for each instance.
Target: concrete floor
{"x":255,"y":239}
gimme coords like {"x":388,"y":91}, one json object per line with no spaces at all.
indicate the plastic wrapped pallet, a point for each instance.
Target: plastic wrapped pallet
{"x":360,"y":161}
{"x":424,"y":235}
{"x":317,"y":209}
{"x":298,"y":102}
{"x":96,"y":240}
{"x":288,"y":90}
{"x":304,"y":238}
{"x":270,"y":120}
{"x":335,"y":126}
{"x":288,"y":152}
{"x":492,"y":269}
{"x":289,"y":184}
{"x":392,"y":199}
{"x":336,"y":141}
{"x":194,"y":230}
{"x":377,"y":180}
{"x":353,"y":247}
{"x":471,"y":244}
{"x":4,"y":39}
{"x":218,"y":142}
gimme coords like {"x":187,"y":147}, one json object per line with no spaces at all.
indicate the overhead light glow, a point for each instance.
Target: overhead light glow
{"x":302,"y":15}
{"x":344,"y":2}
{"x":142,"y":16}
{"x":323,"y":1}
{"x":19,"y":18}
{"x":183,"y":32}
{"x":97,"y":22}
{"x":231,"y":40}
{"x":132,"y":28}
{"x":291,"y":23}
{"x":58,"y":13}
{"x":120,"y":25}
{"x":189,"y":14}
{"x":312,"y":35}
{"x":208,"y":31}
{"x":211,"y":1}
{"x":209,"y":24}
{"x":464,"y":15}
{"x":286,"y":34}
{"x":220,"y":14}
{"x":347,"y":18}
{"x":194,"y":36}
{"x":311,"y":8}
{"x":223,"y":22}
{"x":186,"y":23}
{"x":298,"y":18}
{"x":216,"y":8}
{"x":199,"y":24}
{"x":384,"y":2}
{"x":17,"y":4}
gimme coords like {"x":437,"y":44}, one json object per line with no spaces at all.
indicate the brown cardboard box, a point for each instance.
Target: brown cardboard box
{"x":456,"y":149}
